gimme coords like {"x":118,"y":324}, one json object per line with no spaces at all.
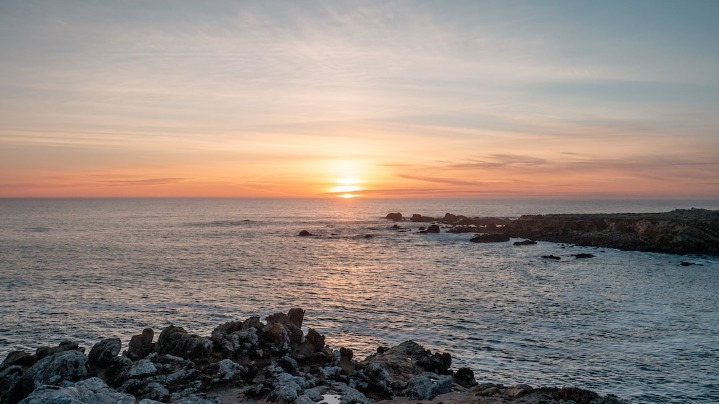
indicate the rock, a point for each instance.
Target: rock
{"x":102,"y":353}
{"x":67,"y":345}
{"x":525,"y":242}
{"x":116,"y":372}
{"x":11,"y":386}
{"x":405,"y":361}
{"x":20,"y":358}
{"x":140,"y":345}
{"x":551,"y":257}
{"x":419,"y":218}
{"x":141,"y":368}
{"x":579,"y":396}
{"x":397,"y":217}
{"x":278,"y":338}
{"x":433,"y":229}
{"x":70,"y":366}
{"x":228,"y":370}
{"x":465,"y":377}
{"x":490,"y":238}
{"x":583,"y":255}
{"x":154,"y":391}
{"x":427,"y":385}
{"x":296,"y":316}
{"x":92,"y":390}
{"x":518,"y":390}
{"x":305,"y":233}
{"x":176,"y":341}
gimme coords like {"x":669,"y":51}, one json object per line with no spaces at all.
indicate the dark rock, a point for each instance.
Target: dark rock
{"x":395,"y":226}
{"x":490,"y":238}
{"x":433,"y":229}
{"x":551,"y":257}
{"x":176,"y":341}
{"x":102,"y":353}
{"x":397,"y":217}
{"x":116,"y":372}
{"x":92,"y":390}
{"x":583,"y":255}
{"x":419,"y":218}
{"x":428,"y":385}
{"x":19,"y":358}
{"x":11,"y":385}
{"x":687,"y":264}
{"x":296,"y":316}
{"x":278,"y":338}
{"x":67,"y":345}
{"x":70,"y":366}
{"x":407,"y":360}
{"x":140,"y":369}
{"x":575,"y":394}
{"x":525,"y":242}
{"x":465,"y":377}
{"x":305,"y":233}
{"x":368,"y":235}
{"x":140,"y":345}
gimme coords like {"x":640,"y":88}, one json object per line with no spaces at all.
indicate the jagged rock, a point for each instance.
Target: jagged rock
{"x":305,"y":233}
{"x":11,"y":386}
{"x":102,"y":353}
{"x":490,"y":238}
{"x":419,"y":218}
{"x":397,"y":217}
{"x":427,"y":385}
{"x":228,"y":370}
{"x":140,"y":345}
{"x":278,"y":338}
{"x":407,"y":360}
{"x":433,"y":229}
{"x":59,"y":367}
{"x":154,"y":391}
{"x":92,"y":390}
{"x":296,"y":316}
{"x":465,"y":377}
{"x":176,"y":341}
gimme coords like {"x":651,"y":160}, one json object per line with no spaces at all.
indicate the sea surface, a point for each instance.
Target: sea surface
{"x":634,"y":324}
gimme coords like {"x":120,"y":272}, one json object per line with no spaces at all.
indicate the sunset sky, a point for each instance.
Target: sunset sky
{"x":372,"y":98}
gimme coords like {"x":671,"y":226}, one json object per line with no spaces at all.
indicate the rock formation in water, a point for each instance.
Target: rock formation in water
{"x":682,"y":231}
{"x":251,"y":361}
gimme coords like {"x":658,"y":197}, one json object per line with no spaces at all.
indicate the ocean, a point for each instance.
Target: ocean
{"x":638,"y":325}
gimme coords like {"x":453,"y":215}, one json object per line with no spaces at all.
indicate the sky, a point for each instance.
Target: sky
{"x":362,"y":98}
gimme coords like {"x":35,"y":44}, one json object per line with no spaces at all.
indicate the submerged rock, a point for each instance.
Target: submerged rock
{"x":305,"y":233}
{"x":397,"y":217}
{"x":490,"y":238}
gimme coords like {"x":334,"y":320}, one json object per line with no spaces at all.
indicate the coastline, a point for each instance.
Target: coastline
{"x":252,"y":361}
{"x":681,"y":231}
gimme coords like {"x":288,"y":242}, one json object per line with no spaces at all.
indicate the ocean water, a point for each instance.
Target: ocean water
{"x":635,"y":324}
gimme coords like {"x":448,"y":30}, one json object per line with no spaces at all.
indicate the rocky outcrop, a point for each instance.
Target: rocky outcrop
{"x":243,"y":361}
{"x":396,"y":217}
{"x":682,"y":231}
{"x":305,"y":233}
{"x":688,"y":231}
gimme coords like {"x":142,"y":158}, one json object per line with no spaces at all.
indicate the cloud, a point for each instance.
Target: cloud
{"x":448,"y":181}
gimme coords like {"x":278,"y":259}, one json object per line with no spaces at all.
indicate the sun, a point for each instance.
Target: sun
{"x":346,"y":186}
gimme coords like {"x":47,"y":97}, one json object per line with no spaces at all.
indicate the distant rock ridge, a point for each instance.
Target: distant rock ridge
{"x":681,"y":231}
{"x":255,"y":362}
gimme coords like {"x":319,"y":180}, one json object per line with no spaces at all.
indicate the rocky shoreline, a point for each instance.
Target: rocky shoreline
{"x":252,"y":361}
{"x":681,"y":231}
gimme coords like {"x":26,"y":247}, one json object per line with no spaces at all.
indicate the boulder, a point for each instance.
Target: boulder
{"x":407,"y":360}
{"x":92,"y":390}
{"x":465,"y":377}
{"x":70,"y":366}
{"x":551,"y":257}
{"x":305,"y":233}
{"x":176,"y":341}
{"x":140,"y":345}
{"x":419,"y":218}
{"x":20,"y":358}
{"x":102,"y":353}
{"x":433,"y":229}
{"x":583,"y":255}
{"x":427,"y":385}
{"x":397,"y":217}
